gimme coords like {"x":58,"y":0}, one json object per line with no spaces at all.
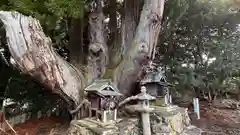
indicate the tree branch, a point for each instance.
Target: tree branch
{"x":84,"y":102}
{"x":143,"y":46}
{"x":127,"y":100}
{"x":34,"y":55}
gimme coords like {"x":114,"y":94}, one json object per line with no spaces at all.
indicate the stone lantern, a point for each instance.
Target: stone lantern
{"x":143,"y":107}
{"x":144,"y":99}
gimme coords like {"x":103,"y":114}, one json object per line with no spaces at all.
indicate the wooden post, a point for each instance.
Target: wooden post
{"x":49,"y":113}
{"x":23,"y":118}
{"x":196,"y":107}
{"x":166,"y":99}
{"x":39,"y":114}
{"x":115,"y":114}
{"x":170,"y":99}
{"x":104,"y":116}
{"x":89,"y":112}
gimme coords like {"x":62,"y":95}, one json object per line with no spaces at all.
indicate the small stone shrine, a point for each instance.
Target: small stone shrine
{"x":154,"y":80}
{"x":156,"y":84}
{"x":102,"y":94}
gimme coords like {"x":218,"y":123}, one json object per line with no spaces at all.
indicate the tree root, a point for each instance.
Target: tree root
{"x":85,"y":101}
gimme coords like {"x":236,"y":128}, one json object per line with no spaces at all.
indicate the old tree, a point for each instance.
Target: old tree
{"x":120,"y":42}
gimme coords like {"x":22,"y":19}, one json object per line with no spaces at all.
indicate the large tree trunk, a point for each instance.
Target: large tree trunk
{"x":34,"y":54}
{"x":130,"y":21}
{"x":75,"y":44}
{"x":143,"y":45}
{"x":98,"y":50}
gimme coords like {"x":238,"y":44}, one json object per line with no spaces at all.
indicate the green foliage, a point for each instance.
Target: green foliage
{"x":23,"y":90}
{"x":60,"y":8}
{"x":200,"y":44}
{"x":52,"y":14}
{"x":73,"y":8}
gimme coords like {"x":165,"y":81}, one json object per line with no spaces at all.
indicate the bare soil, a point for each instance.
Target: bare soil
{"x":42,"y":126}
{"x":217,"y":121}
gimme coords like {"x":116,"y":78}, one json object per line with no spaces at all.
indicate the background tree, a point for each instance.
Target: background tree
{"x":199,"y":46}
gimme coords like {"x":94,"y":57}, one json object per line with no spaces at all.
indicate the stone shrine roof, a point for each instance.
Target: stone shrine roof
{"x":103,"y":87}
